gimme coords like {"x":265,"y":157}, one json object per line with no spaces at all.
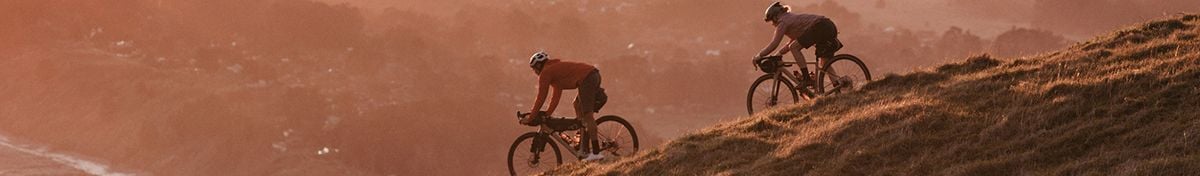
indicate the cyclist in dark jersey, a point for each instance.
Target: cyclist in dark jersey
{"x":804,"y":30}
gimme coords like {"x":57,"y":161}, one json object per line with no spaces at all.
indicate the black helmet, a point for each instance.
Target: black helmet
{"x":774,"y":11}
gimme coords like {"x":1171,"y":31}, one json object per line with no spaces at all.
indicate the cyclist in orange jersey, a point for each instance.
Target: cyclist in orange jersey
{"x":557,"y":75}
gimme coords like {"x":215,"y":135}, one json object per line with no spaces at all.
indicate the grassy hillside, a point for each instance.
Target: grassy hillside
{"x":1124,"y":103}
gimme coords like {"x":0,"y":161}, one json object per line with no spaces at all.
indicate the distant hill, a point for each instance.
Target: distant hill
{"x":1124,"y":103}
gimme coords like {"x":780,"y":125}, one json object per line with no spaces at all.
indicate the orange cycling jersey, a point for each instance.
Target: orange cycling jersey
{"x":559,"y":75}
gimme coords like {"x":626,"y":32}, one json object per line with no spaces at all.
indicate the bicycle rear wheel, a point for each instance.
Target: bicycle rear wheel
{"x":616,"y":136}
{"x":527,"y":156}
{"x":846,"y":66}
{"x":767,"y":92}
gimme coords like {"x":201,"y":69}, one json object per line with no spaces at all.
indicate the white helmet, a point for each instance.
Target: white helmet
{"x":538,"y":58}
{"x":774,"y":10}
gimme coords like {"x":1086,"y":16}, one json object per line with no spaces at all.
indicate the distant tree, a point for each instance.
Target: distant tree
{"x":1022,"y":41}
{"x":957,"y":42}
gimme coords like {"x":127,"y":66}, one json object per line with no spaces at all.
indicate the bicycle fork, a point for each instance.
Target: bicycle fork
{"x":539,"y":145}
{"x":774,"y":100}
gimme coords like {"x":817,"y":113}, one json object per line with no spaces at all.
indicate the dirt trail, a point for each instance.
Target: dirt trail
{"x":15,"y":162}
{"x":19,"y":159}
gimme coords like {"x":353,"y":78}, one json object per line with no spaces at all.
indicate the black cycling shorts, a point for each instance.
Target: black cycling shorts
{"x":823,"y":34}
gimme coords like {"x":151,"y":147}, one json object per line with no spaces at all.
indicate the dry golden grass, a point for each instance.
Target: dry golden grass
{"x":1124,"y":103}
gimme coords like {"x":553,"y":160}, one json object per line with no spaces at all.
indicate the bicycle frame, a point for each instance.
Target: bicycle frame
{"x":785,"y":72}
{"x":824,"y":81}
{"x":560,"y":133}
{"x":555,"y":137}
{"x":565,"y":131}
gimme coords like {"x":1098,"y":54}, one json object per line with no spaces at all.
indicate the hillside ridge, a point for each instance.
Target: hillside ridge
{"x":1123,"y":103}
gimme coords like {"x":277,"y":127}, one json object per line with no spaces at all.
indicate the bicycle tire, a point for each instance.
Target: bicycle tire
{"x":605,"y":138}
{"x":825,"y":81}
{"x":529,"y":137}
{"x":750,"y":97}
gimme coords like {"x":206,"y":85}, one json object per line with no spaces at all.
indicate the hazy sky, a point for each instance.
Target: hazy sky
{"x":426,"y":87}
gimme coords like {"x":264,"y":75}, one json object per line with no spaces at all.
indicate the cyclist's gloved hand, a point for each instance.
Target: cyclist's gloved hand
{"x":755,"y":61}
{"x":527,"y":119}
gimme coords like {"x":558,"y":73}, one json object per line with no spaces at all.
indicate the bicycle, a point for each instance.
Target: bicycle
{"x":555,"y":131}
{"x":763,"y":97}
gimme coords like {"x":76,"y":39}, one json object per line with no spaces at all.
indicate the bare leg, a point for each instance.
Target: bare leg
{"x":589,"y":126}
{"x":831,"y":71}
{"x":825,"y":52}
{"x":585,"y":105}
{"x":590,"y":134}
{"x":799,"y":57}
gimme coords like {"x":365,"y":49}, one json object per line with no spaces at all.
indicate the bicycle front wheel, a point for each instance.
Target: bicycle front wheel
{"x":768,"y":91}
{"x":616,"y":136}
{"x":844,"y":65}
{"x":528,"y":154}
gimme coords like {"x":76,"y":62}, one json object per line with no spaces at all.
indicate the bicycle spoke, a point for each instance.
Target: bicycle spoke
{"x":613,"y":141}
{"x":529,"y":157}
{"x":772,"y":98}
{"x":619,"y":134}
{"x":855,"y":74}
{"x":769,"y":91}
{"x":769,"y":96}
{"x":523,"y":160}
